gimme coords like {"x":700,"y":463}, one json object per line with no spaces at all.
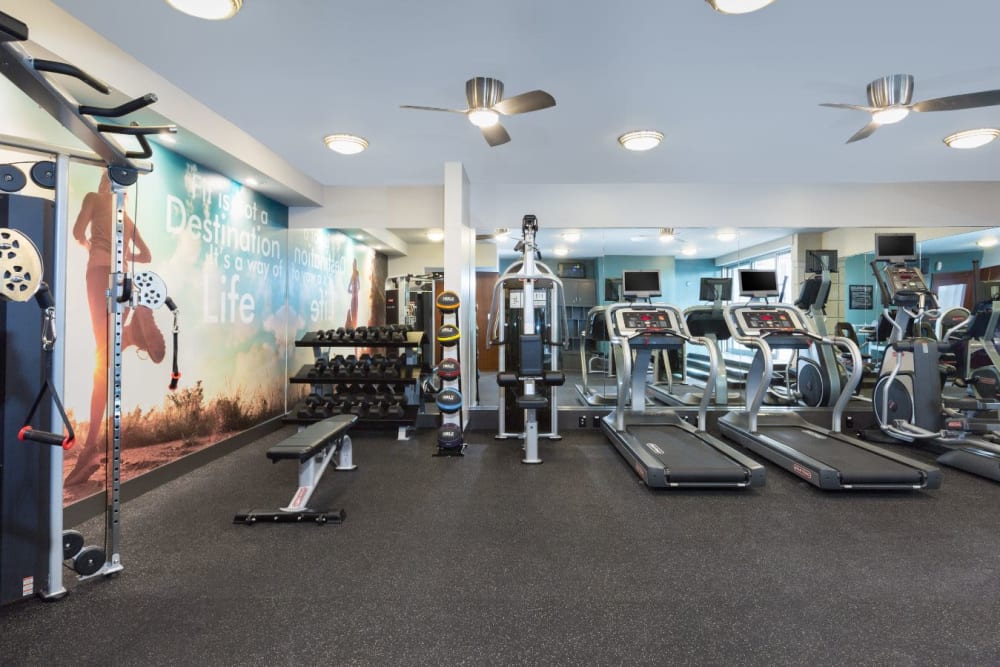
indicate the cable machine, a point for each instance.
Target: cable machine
{"x":527,"y":320}
{"x":38,"y":78}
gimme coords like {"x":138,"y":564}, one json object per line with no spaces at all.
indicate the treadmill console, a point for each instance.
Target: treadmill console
{"x":771,"y":321}
{"x":904,"y":279}
{"x":657,"y":319}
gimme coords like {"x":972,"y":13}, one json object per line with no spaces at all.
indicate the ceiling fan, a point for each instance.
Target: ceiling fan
{"x":889,"y":102}
{"x":486,"y":103}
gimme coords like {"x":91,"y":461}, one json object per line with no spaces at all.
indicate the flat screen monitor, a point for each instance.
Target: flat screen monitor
{"x":818,"y":260}
{"x":896,"y":248}
{"x":758,"y":284}
{"x":640,"y":284}
{"x":716,"y":289}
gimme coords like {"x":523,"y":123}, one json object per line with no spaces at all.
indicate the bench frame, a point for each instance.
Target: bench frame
{"x":313,"y":462}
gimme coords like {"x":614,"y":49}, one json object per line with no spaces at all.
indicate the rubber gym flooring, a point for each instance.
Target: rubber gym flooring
{"x":481,"y":560}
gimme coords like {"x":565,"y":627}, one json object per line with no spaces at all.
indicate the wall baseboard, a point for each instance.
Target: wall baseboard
{"x":95,"y":505}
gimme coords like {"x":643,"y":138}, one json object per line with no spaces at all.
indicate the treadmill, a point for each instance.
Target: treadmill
{"x":824,"y":457}
{"x":707,"y":322}
{"x":665,"y":450}
{"x":594,"y":332}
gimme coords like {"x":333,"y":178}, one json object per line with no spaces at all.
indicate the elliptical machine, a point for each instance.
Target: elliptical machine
{"x":908,"y":401}
{"x":525,"y":339}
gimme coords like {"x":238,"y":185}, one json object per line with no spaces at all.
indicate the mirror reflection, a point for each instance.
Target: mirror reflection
{"x":590,"y":263}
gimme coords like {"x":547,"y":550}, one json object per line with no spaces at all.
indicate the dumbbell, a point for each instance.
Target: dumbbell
{"x":318,"y":368}
{"x":361,"y":333}
{"x":360,"y":369}
{"x":391,"y":410}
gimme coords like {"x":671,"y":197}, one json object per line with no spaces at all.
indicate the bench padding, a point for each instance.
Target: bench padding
{"x":307,"y":443}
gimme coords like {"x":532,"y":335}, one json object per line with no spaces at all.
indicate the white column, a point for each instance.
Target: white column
{"x":460,"y":271}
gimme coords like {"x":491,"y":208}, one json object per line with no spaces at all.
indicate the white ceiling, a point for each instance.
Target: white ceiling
{"x":737,"y":96}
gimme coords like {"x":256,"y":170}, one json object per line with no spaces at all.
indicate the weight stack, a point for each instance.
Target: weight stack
{"x":451,"y":440}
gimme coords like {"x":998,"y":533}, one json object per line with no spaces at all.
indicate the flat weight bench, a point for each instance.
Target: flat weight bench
{"x":313,"y":447}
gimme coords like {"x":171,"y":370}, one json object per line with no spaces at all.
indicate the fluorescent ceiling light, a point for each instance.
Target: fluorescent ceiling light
{"x":572,"y":237}
{"x":560,"y":251}
{"x":987,"y":242}
{"x":726,"y":235}
{"x":688,"y":250}
{"x":667,"y":235}
{"x":738,"y":6}
{"x":890,"y":115}
{"x":214,"y":10}
{"x":435,"y":235}
{"x":345,"y":144}
{"x":641,"y":140}
{"x":483,"y":117}
{"x":972,"y":138}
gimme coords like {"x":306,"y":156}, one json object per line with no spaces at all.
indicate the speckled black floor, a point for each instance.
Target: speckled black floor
{"x":482,"y":560}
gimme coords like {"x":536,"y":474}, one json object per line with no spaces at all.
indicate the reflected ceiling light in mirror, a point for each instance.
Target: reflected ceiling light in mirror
{"x":251,"y":181}
{"x":738,"y":6}
{"x":987,"y":242}
{"x":213,"y":10}
{"x":667,"y":235}
{"x":570,"y":237}
{"x":345,"y":144}
{"x":641,"y":140}
{"x":166,"y":138}
{"x":688,"y":250}
{"x":560,"y":251}
{"x":435,"y":235}
{"x":726,"y":235}
{"x":972,"y":138}
{"x":501,"y":234}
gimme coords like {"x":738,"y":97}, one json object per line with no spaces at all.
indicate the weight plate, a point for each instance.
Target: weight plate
{"x":20,"y":266}
{"x":449,"y":400}
{"x":44,"y":174}
{"x":72,"y":543}
{"x":12,"y":179}
{"x":151,"y":289}
{"x":449,"y":369}
{"x":448,"y":301}
{"x":89,"y":561}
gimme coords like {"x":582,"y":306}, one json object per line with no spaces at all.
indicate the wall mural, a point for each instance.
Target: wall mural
{"x":245,"y":287}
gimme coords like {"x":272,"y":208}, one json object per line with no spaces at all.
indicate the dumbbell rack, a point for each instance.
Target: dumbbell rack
{"x":381,"y":389}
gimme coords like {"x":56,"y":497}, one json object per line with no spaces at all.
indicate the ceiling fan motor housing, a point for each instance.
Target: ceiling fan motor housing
{"x":890,"y":90}
{"x":483,"y":92}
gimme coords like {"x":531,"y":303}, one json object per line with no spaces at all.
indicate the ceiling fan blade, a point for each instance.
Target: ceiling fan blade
{"x":856,"y":107}
{"x":864,"y":132}
{"x":410,"y":106}
{"x":495,"y":135}
{"x":525,"y":102}
{"x":986,"y":98}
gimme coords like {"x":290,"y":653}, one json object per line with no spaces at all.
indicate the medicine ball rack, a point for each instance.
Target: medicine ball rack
{"x":381,"y":388}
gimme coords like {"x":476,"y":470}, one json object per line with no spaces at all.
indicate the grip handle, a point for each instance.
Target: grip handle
{"x":46,"y":438}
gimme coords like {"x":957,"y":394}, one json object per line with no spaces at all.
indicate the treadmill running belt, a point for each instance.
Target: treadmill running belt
{"x":686,"y":457}
{"x":856,"y":465}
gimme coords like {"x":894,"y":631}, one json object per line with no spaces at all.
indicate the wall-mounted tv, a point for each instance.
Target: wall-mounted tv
{"x":716,"y":289}
{"x":758,"y":284}
{"x":896,"y":248}
{"x":640,"y":284}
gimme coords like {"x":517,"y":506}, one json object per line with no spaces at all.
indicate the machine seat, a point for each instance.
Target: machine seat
{"x":532,"y":402}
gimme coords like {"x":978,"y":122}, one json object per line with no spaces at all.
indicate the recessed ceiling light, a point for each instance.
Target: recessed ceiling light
{"x":667,"y":235}
{"x":641,"y":140}
{"x":688,"y":250}
{"x":738,"y":6}
{"x":890,"y":115}
{"x":213,"y":10}
{"x":359,"y":237}
{"x":726,"y":235}
{"x":166,"y":138}
{"x":560,"y":251}
{"x":987,"y":242}
{"x":572,"y":237}
{"x":435,"y":235}
{"x":483,"y":117}
{"x":972,"y":138}
{"x":251,"y":181}
{"x":345,"y":144}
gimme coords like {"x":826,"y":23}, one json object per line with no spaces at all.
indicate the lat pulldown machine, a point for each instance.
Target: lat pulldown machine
{"x":517,"y":324}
